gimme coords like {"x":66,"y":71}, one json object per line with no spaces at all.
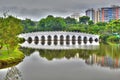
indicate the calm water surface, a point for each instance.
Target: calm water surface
{"x":99,"y":62}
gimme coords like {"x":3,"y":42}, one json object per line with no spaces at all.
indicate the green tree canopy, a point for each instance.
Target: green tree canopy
{"x":10,"y":27}
{"x":113,"y":26}
{"x":90,"y":22}
{"x":28,"y":25}
{"x":70,"y":20}
{"x":51,"y":24}
{"x":84,"y":19}
{"x":101,"y":23}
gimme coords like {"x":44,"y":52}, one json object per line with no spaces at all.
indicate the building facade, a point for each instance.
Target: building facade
{"x":91,"y":13}
{"x":104,"y":14}
{"x":109,"y":13}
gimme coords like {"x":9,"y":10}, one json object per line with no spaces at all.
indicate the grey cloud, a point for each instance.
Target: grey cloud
{"x":40,"y":8}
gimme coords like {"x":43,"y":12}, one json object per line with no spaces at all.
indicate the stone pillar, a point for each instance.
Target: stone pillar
{"x":52,"y":37}
{"x":58,"y":37}
{"x":64,"y":37}
{"x":76,"y":42}
{"x":52,"y":43}
{"x":39,"y":43}
{"x":88,"y":38}
{"x":58,"y":42}
{"x":26,"y":38}
{"x":82,"y":42}
{"x":45,"y":37}
{"x":33,"y":37}
{"x":64,"y":43}
{"x":70,"y":37}
{"x":39,"y":37}
{"x":82,"y":37}
{"x":46,"y":43}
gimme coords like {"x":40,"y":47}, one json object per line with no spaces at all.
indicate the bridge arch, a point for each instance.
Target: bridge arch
{"x":67,"y":39}
{"x":96,"y":40}
{"x":90,"y":39}
{"x":29,"y":40}
{"x":49,"y":39}
{"x":36,"y":40}
{"x":73,"y":39}
{"x":85,"y":40}
{"x":61,"y":40}
{"x":79,"y":39}
{"x":42,"y":40}
{"x":55,"y":39}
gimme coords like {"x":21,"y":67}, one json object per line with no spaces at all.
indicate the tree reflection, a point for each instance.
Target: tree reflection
{"x":27,"y":51}
{"x":106,"y":55}
{"x":51,"y":54}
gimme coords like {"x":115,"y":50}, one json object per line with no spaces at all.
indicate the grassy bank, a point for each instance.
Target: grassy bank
{"x":10,"y":58}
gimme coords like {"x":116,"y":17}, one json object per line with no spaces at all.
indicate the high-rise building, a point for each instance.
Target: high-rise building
{"x":104,"y":14}
{"x":109,"y":13}
{"x":91,"y":13}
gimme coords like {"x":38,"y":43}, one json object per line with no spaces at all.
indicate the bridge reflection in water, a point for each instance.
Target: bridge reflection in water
{"x":59,"y":45}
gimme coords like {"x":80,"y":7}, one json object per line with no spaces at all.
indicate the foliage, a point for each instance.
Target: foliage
{"x":84,"y":19}
{"x":10,"y":27}
{"x":70,"y":20}
{"x":101,"y":23}
{"x":75,"y":27}
{"x":103,"y":50}
{"x":7,"y":60}
{"x":112,"y":38}
{"x":28,"y":25}
{"x":113,"y":26}
{"x":90,"y":22}
{"x":51,"y":24}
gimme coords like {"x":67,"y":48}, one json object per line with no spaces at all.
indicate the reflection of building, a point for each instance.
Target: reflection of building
{"x":104,"y":61}
{"x":104,"y":14}
{"x":13,"y":74}
{"x":75,"y":16}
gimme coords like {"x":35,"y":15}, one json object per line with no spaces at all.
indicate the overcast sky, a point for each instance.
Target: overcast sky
{"x":36,"y":9}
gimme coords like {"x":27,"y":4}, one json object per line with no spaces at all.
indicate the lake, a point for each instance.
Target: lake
{"x":62,"y":62}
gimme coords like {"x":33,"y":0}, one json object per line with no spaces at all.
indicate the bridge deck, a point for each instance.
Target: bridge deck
{"x":57,"y":33}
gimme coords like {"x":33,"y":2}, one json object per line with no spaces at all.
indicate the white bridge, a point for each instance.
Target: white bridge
{"x":58,"y":38}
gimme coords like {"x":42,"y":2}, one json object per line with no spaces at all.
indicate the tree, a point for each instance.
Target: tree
{"x":101,"y":23}
{"x":10,"y":28}
{"x":76,"y":27}
{"x":51,"y":24}
{"x":28,"y":25}
{"x":59,"y":24}
{"x":70,"y":20}
{"x":113,"y":26}
{"x":94,"y":29}
{"x":90,"y":22}
{"x":84,"y":19}
{"x":1,"y":32}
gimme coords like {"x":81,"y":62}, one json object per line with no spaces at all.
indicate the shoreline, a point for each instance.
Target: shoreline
{"x":11,"y":59}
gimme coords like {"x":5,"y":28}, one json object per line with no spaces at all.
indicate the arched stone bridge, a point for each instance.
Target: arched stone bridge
{"x":59,"y":37}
